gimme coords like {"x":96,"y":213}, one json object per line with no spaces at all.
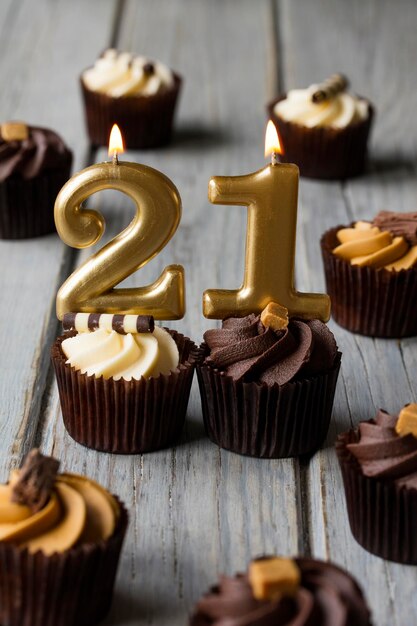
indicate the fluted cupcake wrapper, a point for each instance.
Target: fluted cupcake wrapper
{"x":145,"y":121}
{"x":382,"y":516}
{"x":323,"y":152}
{"x":27,"y":205}
{"x":373,"y":302}
{"x":125,"y":417}
{"x":265,"y":421}
{"x":71,"y":588}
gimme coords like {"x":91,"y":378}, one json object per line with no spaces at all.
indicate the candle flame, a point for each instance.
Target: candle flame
{"x":115,"y":141}
{"x":272,"y":143}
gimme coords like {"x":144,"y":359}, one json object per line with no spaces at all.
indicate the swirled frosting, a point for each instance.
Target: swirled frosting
{"x":385,"y":243}
{"x":247,"y":350}
{"x":42,"y":150}
{"x":78,"y":511}
{"x":382,"y":453}
{"x":327,"y":596}
{"x":337,"y":112}
{"x":120,"y":74}
{"x":113,"y":355}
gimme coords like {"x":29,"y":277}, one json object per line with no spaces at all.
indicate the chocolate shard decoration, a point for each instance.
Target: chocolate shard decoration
{"x":330,"y":88}
{"x":36,"y":479}
{"x":122,"y":324}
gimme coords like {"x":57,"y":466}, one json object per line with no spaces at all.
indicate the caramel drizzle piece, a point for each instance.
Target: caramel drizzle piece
{"x":14,"y":131}
{"x":35,"y":482}
{"x":271,"y":578}
{"x":407,"y":421}
{"x":275,"y":316}
{"x":330,"y":88}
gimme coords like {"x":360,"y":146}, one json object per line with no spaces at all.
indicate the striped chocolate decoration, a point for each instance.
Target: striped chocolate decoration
{"x":122,"y":324}
{"x":330,"y":88}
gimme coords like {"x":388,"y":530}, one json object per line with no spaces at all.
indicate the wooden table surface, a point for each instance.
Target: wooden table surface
{"x":195,"y":510}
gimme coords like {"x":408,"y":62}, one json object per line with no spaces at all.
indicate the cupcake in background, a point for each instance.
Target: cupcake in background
{"x":284,"y":591}
{"x":60,"y":542}
{"x":138,"y":94}
{"x":324,"y":129}
{"x":371,"y":275}
{"x":379,"y":467}
{"x":34,"y":165}
{"x":267,"y":383}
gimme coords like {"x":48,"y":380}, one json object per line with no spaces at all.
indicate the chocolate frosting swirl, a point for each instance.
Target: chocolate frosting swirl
{"x":327,"y":596}
{"x":399,"y":224}
{"x":42,"y":150}
{"x":382,"y":453}
{"x":246,"y":350}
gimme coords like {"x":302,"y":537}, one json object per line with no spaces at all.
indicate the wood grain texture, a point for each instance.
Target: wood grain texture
{"x":360,"y":39}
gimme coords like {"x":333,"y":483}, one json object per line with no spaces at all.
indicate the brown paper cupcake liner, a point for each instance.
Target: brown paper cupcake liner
{"x":373,"y":302}
{"x":382,"y":516}
{"x":27,"y":205}
{"x":145,"y":121}
{"x":71,"y":588}
{"x":265,"y":421}
{"x":328,"y":153}
{"x":125,"y":417}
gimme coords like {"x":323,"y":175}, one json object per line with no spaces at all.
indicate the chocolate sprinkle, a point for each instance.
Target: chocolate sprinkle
{"x":149,"y":69}
{"x":36,"y":478}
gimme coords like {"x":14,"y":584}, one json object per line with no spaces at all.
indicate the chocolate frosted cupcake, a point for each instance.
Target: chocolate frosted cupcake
{"x":60,"y":542}
{"x":371,"y":275}
{"x":379,"y":468}
{"x":267,"y":384}
{"x":123,"y":383}
{"x":323,"y":129}
{"x":34,"y":164}
{"x":134,"y":92}
{"x":288,"y":592}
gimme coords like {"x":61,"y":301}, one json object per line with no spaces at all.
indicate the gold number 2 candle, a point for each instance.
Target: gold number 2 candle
{"x":158,"y":212}
{"x":271,"y":197}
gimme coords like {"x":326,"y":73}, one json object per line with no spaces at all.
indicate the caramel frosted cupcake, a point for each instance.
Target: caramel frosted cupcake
{"x":60,"y":542}
{"x":267,"y":384}
{"x":288,"y":592}
{"x":371,"y":275}
{"x":123,"y":382}
{"x":379,"y":468}
{"x":134,"y":92}
{"x":324,"y":129}
{"x":34,"y":164}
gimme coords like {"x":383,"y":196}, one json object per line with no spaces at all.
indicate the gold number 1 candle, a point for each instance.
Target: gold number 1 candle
{"x":158,"y":211}
{"x":271,"y":197}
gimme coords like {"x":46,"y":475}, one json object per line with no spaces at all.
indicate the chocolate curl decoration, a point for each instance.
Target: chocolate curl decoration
{"x":36,"y":479}
{"x":122,"y":324}
{"x":330,"y":88}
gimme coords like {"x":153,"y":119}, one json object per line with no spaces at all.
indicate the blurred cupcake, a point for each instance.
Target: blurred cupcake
{"x":324,"y":129}
{"x":379,"y":468}
{"x":371,"y":275}
{"x":123,"y":383}
{"x":60,"y":542}
{"x":288,"y":592}
{"x":134,"y":92}
{"x":267,"y":384}
{"x":34,"y":164}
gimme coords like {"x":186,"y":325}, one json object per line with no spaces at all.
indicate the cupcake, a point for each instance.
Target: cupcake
{"x":134,"y":92}
{"x":371,"y":275}
{"x":324,"y":129}
{"x":34,"y":164}
{"x":288,"y":592}
{"x":123,"y":382}
{"x":60,"y":542}
{"x":267,"y":383}
{"x":379,"y":467}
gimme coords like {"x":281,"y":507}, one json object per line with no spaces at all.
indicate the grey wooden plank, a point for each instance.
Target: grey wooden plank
{"x":194,"y":510}
{"x":373,"y":44}
{"x":38,"y":70}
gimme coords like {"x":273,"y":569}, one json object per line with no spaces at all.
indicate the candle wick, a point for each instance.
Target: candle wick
{"x":115,"y":158}
{"x":274,"y":158}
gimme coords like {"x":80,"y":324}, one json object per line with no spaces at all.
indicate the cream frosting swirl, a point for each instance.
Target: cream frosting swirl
{"x":119,"y":74}
{"x":113,"y":355}
{"x":337,"y":112}
{"x":79,"y":510}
